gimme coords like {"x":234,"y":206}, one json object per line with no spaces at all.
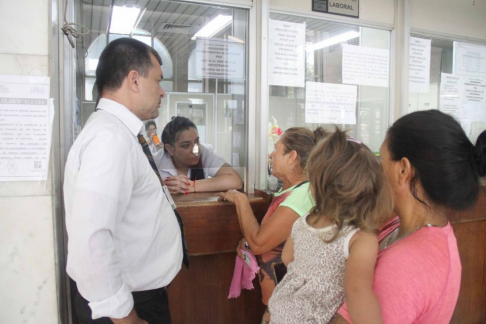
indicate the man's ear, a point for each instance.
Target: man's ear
{"x":133,"y":80}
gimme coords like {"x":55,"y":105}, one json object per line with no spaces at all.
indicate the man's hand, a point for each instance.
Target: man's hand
{"x":132,"y":318}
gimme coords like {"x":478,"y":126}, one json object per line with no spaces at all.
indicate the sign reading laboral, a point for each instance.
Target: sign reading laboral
{"x":286,"y":43}
{"x":220,"y":59}
{"x":330,"y":103}
{"x":25,"y":128}
{"x":348,"y":8}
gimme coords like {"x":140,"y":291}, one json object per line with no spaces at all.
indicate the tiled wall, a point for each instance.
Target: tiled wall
{"x":27,"y":249}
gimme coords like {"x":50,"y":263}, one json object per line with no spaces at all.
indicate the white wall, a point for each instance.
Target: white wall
{"x":27,"y":258}
{"x":456,"y":17}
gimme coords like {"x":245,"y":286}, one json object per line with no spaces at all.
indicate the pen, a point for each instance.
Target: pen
{"x":247,"y":246}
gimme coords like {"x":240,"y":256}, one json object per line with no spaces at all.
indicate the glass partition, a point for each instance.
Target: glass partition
{"x":450,"y":76}
{"x":325,"y":73}
{"x":204,"y":53}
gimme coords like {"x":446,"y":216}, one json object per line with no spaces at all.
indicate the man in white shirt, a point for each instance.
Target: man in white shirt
{"x":124,"y":243}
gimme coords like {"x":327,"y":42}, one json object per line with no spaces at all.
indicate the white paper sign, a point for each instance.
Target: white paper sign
{"x":286,"y":46}
{"x":220,"y":59}
{"x":464,"y":98}
{"x":419,"y":65}
{"x":329,"y":103}
{"x":474,"y":100}
{"x":366,"y":66}
{"x":469,"y":59}
{"x":25,"y":128}
{"x":451,"y":94}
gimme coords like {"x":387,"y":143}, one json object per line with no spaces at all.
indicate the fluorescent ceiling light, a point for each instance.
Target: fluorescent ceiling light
{"x":123,"y":19}
{"x":334,"y":40}
{"x":213,"y":27}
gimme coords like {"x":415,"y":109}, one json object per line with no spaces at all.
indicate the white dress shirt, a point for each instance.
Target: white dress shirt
{"x":123,"y":235}
{"x":211,"y":163}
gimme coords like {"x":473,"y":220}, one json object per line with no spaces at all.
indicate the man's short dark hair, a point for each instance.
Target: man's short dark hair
{"x":119,"y":58}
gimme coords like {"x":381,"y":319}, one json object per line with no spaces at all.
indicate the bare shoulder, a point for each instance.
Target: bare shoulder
{"x":364,"y":237}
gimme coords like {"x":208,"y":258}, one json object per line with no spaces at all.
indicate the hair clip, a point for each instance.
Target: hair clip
{"x":351,"y":139}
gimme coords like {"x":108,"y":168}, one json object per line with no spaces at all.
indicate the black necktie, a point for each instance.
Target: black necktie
{"x":150,"y":158}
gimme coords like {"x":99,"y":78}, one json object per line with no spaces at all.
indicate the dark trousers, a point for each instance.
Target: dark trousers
{"x":151,"y":305}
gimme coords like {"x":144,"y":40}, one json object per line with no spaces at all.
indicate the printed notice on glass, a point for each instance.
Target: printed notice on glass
{"x":220,"y":59}
{"x":366,"y":66}
{"x":419,"y":65}
{"x":463,"y":98}
{"x":25,"y":128}
{"x":474,"y":99}
{"x":451,"y":94}
{"x":329,"y":103}
{"x":286,"y":54}
{"x":469,"y":60}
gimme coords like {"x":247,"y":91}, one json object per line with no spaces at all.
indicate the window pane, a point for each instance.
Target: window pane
{"x":453,"y":89}
{"x":204,"y":63}
{"x":324,"y":63}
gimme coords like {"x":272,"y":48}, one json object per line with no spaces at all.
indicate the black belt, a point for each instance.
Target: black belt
{"x":146,"y":295}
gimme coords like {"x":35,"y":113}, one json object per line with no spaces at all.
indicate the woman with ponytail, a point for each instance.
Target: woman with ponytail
{"x":433,"y":168}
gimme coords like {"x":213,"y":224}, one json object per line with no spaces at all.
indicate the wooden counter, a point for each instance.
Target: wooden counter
{"x":199,"y":295}
{"x":470,"y":230}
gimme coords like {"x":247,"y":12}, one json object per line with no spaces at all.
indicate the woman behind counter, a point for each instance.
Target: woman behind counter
{"x":188,"y":166}
{"x":433,"y":168}
{"x":291,"y":202}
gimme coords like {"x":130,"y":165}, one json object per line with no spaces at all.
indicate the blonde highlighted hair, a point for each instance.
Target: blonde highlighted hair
{"x":348,"y":184}
{"x":302,"y":140}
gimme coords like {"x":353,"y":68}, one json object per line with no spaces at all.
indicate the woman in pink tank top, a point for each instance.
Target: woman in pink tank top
{"x":432,"y":167}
